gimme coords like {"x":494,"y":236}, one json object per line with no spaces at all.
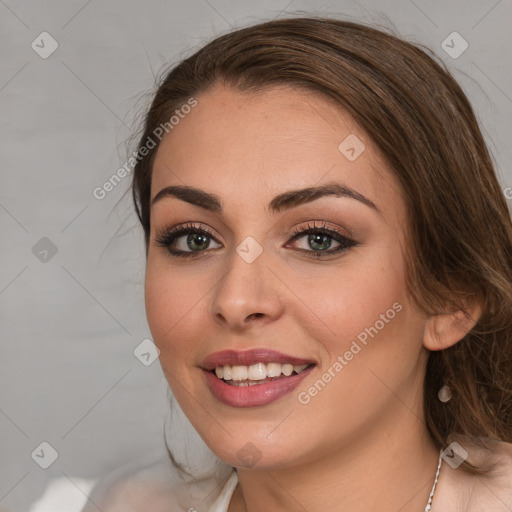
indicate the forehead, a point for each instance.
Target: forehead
{"x":249,"y":146}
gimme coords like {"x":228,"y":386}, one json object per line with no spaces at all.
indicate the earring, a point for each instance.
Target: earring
{"x":444,"y":394}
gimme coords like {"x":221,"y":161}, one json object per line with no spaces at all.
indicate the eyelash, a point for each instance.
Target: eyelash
{"x":167,"y":237}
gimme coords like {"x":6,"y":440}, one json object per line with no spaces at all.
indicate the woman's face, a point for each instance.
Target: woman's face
{"x":334,"y":299}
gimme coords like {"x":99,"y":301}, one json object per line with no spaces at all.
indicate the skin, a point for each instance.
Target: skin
{"x":361,"y":443}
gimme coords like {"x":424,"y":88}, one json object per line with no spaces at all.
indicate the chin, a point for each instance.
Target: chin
{"x":257,"y":451}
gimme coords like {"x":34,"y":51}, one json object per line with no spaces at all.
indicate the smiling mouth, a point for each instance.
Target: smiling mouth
{"x":257,"y":374}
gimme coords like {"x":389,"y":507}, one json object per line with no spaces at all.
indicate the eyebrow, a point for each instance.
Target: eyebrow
{"x":284,"y":201}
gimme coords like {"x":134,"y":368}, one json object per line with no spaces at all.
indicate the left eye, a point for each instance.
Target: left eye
{"x":319,"y":239}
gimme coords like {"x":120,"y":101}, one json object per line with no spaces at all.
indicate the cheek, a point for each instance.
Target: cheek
{"x":344,"y":303}
{"x":376,"y":344}
{"x":373,"y":340}
{"x":173,"y":304}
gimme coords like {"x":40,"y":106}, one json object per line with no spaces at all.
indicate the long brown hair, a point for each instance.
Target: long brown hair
{"x":459,"y":228}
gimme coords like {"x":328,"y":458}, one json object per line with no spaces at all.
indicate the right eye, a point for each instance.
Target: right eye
{"x":195,"y":238}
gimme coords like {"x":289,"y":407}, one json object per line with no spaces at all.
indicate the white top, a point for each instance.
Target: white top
{"x":221,"y":504}
{"x":64,"y":494}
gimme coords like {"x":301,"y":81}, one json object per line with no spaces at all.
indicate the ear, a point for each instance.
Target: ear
{"x":444,"y":330}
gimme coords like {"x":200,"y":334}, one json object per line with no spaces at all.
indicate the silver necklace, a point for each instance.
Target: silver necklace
{"x":427,"y":508}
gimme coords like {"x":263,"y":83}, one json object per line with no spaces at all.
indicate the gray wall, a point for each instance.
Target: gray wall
{"x":70,"y":321}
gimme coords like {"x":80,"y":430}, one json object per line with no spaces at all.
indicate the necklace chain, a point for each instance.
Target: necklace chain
{"x":429,"y":504}
{"x":427,"y":508}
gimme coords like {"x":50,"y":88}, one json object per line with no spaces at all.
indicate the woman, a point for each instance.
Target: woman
{"x":329,"y":272}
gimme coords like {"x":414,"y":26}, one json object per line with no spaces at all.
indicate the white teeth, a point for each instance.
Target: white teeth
{"x":239,"y":372}
{"x":258,"y":371}
{"x":244,"y":383}
{"x":287,"y":369}
{"x":273,"y":369}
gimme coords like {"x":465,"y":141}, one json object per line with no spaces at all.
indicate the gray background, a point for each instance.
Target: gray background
{"x":70,"y":323}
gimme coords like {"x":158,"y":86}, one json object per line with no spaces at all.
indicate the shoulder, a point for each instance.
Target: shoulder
{"x":157,"y":487}
{"x":129,"y":488}
{"x":496,"y":488}
{"x":491,"y":492}
{"x":130,"y":495}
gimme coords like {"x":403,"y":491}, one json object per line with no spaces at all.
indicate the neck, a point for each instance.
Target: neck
{"x":388,"y":468}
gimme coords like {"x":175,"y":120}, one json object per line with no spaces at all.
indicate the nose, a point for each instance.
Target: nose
{"x":248,"y":292}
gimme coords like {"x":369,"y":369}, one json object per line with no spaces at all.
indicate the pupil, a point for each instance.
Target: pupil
{"x":313,"y":239}
{"x":193,"y":237}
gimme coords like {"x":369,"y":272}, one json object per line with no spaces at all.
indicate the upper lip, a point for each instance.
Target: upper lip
{"x":249,"y":357}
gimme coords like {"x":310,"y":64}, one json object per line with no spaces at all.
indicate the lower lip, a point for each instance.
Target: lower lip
{"x":253,"y":396}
